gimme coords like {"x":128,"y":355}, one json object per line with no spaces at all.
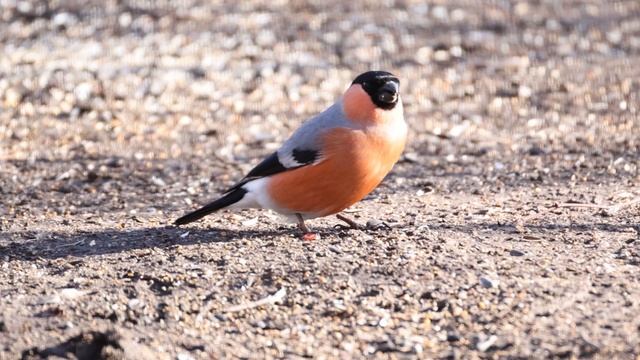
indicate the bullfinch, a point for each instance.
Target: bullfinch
{"x":331,"y":162}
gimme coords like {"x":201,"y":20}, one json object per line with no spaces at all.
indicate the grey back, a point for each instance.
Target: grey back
{"x":308,"y":135}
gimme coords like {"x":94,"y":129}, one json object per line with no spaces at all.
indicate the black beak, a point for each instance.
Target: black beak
{"x":389,"y":92}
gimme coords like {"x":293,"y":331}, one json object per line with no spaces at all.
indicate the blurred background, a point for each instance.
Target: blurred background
{"x":206,"y":84}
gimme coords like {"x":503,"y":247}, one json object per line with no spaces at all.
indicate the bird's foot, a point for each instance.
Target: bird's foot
{"x":306,"y":234}
{"x":352,"y":224}
{"x":310,"y":236}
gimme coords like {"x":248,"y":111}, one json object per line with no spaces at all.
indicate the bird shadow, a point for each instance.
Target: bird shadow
{"x":32,"y":245}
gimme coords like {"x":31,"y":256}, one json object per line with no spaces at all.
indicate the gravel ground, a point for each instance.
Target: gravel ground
{"x":508,"y":229}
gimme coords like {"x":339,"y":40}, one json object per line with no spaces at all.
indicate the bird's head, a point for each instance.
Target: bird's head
{"x":382,"y":87}
{"x":373,"y":98}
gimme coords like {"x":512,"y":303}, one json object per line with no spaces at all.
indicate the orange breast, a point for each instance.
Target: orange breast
{"x":355,"y":162}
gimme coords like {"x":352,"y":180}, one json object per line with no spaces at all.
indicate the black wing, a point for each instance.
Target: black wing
{"x":272,"y":165}
{"x":269,"y":166}
{"x":304,"y":157}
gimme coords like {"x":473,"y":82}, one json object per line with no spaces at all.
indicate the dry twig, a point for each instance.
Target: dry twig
{"x":278,"y":296}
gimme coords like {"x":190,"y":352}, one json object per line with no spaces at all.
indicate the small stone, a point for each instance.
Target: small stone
{"x":442,"y":304}
{"x":13,"y":96}
{"x":64,"y":294}
{"x":488,"y":282}
{"x":134,"y":303}
{"x":524,"y":91}
{"x":266,"y":38}
{"x":384,"y":321}
{"x":411,"y":157}
{"x":83,"y":92}
{"x":458,"y":129}
{"x":158,"y":181}
{"x":453,"y":336}
{"x":374,"y":224}
{"x":92,"y":176}
{"x":125,"y":19}
{"x":441,"y":56}
{"x":185,"y":356}
{"x":516,"y":253}
{"x":614,"y":37}
{"x":623,"y":105}
{"x":440,"y":13}
{"x":251,"y":222}
{"x":535,"y":122}
{"x":456,"y":51}
{"x":423,"y":55}
{"x":71,"y":293}
{"x":64,"y":19}
{"x":536,"y":151}
{"x":25,"y":7}
{"x":485,"y":344}
{"x":114,"y":162}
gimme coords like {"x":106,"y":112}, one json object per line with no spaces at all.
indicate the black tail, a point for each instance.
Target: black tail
{"x":228,"y":199}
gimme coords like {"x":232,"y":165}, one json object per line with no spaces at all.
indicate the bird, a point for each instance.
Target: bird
{"x":332,"y":161}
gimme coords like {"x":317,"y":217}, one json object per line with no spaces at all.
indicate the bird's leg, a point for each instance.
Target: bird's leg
{"x":306,"y":234}
{"x":352,"y":224}
{"x":301,"y":224}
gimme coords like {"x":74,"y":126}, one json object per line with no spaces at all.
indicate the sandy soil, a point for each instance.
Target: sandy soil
{"x":508,"y":229}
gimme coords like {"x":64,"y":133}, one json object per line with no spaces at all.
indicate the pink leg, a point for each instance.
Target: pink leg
{"x":306,"y":234}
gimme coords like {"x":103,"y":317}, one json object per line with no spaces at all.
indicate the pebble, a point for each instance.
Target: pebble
{"x":536,"y":151}
{"x":384,"y":321}
{"x":411,"y":157}
{"x":516,"y":253}
{"x":524,"y":91}
{"x":83,"y":92}
{"x":458,"y":129}
{"x":185,"y":356}
{"x":441,"y":56}
{"x":375,"y":224}
{"x":424,"y":55}
{"x":453,"y":336}
{"x":63,"y":294}
{"x":485,"y":343}
{"x":64,"y":19}
{"x":250,"y":222}
{"x":13,"y":96}
{"x":440,"y":13}
{"x":488,"y":282}
{"x":158,"y":181}
{"x":614,"y":37}
{"x":134,"y":303}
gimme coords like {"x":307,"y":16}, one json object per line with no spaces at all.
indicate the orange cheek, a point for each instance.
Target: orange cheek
{"x":357,"y":105}
{"x":359,"y":108}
